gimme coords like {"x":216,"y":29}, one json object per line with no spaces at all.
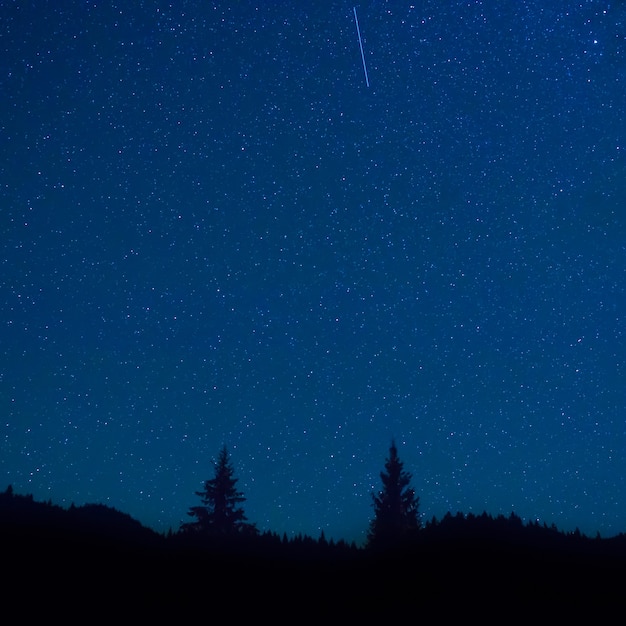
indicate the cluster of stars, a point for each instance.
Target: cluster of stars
{"x":214,"y":235}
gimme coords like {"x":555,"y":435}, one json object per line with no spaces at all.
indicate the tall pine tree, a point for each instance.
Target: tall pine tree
{"x":220,"y":513}
{"x":396,"y":507}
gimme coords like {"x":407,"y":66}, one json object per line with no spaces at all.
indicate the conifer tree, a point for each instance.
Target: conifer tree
{"x":396,"y":507}
{"x":220,"y":513}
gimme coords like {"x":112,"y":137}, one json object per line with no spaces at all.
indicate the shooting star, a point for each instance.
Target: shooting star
{"x":358,"y":32}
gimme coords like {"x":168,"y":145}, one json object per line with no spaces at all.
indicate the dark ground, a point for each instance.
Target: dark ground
{"x":96,"y":564}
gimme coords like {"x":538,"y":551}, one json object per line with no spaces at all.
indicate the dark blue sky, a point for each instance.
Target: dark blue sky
{"x":212,"y":232}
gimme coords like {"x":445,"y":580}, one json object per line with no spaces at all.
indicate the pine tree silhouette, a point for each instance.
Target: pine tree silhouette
{"x":219,"y":513}
{"x":396,"y":507}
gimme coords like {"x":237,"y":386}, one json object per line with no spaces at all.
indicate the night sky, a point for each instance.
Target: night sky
{"x":213,"y":232}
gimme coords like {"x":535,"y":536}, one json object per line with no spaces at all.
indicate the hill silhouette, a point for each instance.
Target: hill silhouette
{"x":95,"y":556}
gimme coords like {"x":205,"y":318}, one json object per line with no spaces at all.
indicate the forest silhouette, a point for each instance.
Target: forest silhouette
{"x":94,"y":555}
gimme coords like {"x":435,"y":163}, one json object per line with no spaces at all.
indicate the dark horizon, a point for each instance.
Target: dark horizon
{"x":94,"y":556}
{"x":27,"y":504}
{"x":426,"y":521}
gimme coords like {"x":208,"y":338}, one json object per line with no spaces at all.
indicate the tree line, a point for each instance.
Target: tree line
{"x":219,"y":522}
{"x":106,"y":556}
{"x":221,"y":513}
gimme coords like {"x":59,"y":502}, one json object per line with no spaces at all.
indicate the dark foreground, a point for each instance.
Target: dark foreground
{"x":476,"y":568}
{"x":54,"y":574}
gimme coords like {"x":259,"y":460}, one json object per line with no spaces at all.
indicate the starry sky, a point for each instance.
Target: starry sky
{"x":212,"y":231}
